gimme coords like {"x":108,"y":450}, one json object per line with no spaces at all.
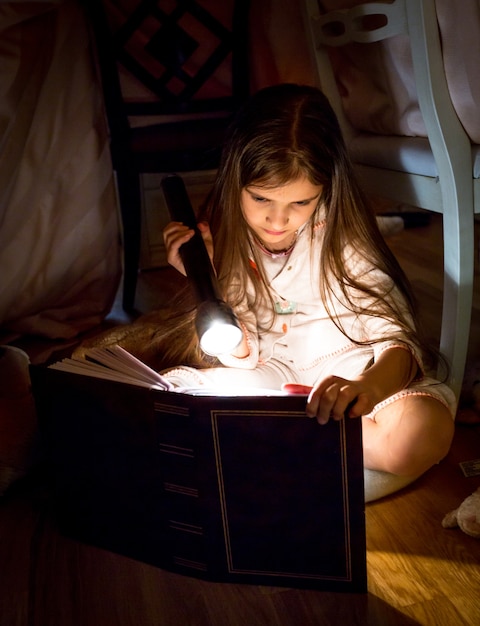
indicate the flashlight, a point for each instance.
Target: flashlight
{"x":216,"y":325}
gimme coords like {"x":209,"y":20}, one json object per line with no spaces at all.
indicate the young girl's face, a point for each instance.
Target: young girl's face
{"x":276,"y":213}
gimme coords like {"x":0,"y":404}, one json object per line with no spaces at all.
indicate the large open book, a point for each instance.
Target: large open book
{"x":227,"y":488}
{"x":116,"y":363}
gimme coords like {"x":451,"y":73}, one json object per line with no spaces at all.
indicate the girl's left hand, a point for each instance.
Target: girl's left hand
{"x":336,"y":398}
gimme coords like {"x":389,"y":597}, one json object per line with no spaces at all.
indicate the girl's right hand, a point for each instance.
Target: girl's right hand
{"x":175,"y":234}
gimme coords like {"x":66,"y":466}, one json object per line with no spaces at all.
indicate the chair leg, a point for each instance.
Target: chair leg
{"x":457,"y":291}
{"x":128,"y":185}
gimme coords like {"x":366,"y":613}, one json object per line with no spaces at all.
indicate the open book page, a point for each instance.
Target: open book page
{"x":117,"y":364}
{"x":114,"y":363}
{"x":231,"y":391}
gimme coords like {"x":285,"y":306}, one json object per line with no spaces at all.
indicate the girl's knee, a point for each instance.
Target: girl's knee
{"x":415,"y":434}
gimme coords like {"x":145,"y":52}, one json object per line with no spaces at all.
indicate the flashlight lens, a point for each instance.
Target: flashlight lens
{"x":220,"y":338}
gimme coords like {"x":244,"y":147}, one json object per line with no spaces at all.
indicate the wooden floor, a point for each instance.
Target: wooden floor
{"x":418,"y":572}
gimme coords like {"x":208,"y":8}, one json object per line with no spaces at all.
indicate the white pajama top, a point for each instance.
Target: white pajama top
{"x":304,"y":345}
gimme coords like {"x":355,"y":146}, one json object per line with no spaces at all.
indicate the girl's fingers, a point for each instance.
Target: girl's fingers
{"x":175,"y":235}
{"x":204,"y":229}
{"x":327,"y":403}
{"x":332,"y":400}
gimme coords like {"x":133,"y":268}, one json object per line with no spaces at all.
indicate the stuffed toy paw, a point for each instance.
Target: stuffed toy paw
{"x":466,"y":517}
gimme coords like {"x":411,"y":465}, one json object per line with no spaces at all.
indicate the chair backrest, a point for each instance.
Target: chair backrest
{"x":178,"y":58}
{"x":361,"y":23}
{"x":372,"y":22}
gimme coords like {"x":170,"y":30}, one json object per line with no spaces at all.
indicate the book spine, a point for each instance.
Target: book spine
{"x":183,"y":523}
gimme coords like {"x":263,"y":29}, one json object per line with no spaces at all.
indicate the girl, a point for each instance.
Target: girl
{"x":322,"y":302}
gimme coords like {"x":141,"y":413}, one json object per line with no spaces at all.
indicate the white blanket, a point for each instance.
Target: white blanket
{"x":59,"y":229}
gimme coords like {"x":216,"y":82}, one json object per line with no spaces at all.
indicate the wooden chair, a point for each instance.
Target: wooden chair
{"x":172,"y":75}
{"x":439,"y":173}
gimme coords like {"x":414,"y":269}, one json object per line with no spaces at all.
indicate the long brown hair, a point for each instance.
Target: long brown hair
{"x":284,"y":132}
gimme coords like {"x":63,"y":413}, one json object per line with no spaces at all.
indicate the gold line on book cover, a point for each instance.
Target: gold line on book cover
{"x":202,"y":567}
{"x":170,"y":408}
{"x":184,"y":491}
{"x":216,"y":416}
{"x":194,"y":529}
{"x":167,"y":448}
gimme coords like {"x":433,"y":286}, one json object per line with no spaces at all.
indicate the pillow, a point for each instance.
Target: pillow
{"x":377,"y":83}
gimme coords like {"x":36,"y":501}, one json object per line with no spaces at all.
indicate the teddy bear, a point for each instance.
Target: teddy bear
{"x":466,"y":517}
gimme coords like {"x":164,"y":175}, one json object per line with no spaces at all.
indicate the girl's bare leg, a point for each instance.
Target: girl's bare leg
{"x":408,"y":436}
